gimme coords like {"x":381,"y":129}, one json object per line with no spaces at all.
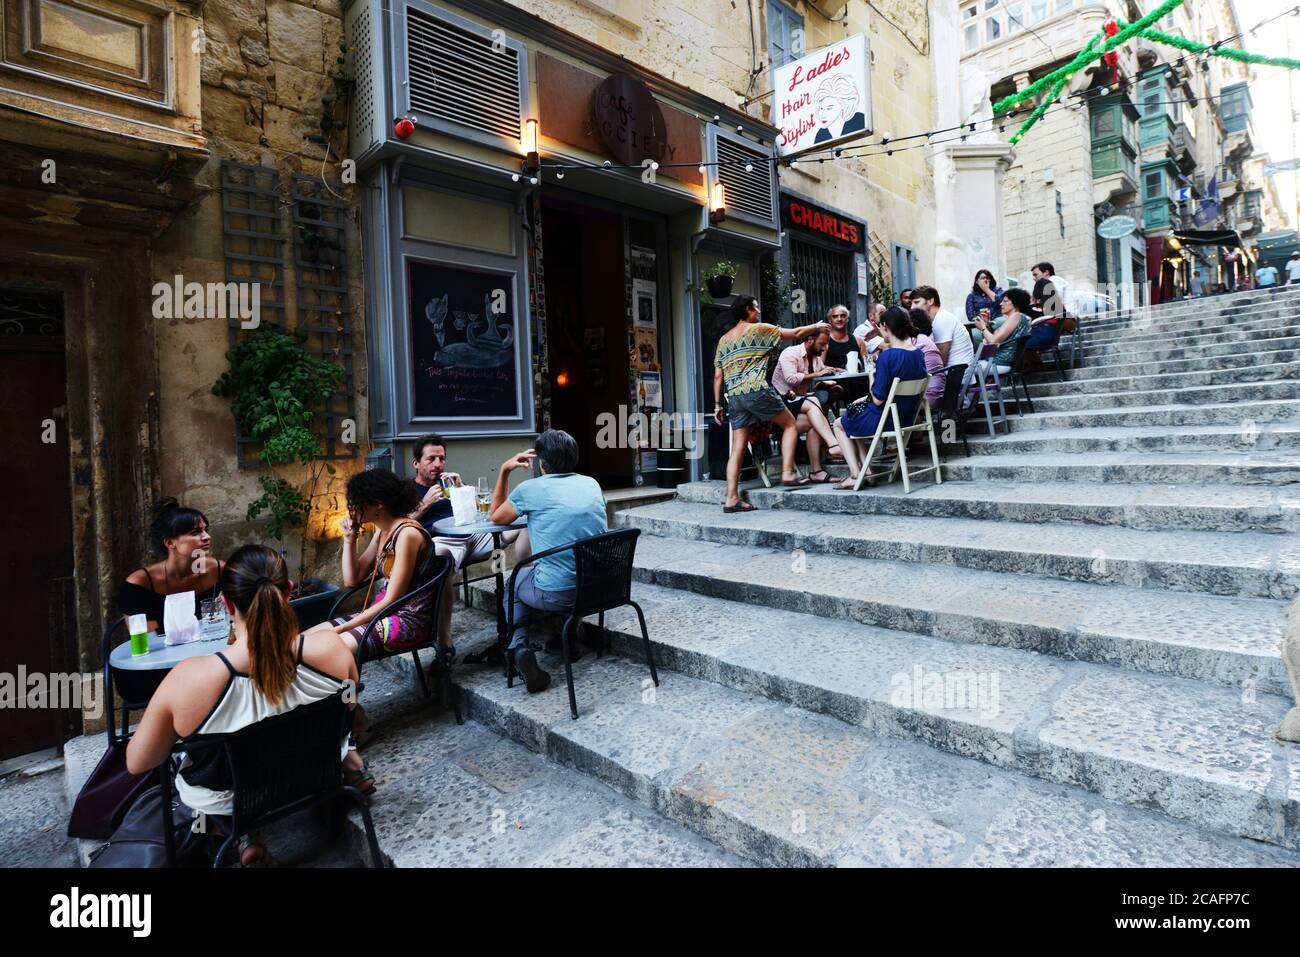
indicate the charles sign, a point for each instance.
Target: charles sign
{"x":629,"y":122}
{"x":801,"y":215}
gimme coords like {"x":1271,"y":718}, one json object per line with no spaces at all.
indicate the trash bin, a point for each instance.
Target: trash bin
{"x":672,"y":467}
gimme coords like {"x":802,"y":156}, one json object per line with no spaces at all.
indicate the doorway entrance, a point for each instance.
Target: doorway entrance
{"x":36,"y":567}
{"x":587,"y":330}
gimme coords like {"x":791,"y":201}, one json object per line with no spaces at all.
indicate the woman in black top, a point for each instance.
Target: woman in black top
{"x":181,"y":535}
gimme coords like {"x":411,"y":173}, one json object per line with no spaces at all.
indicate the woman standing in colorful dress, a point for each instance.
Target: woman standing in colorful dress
{"x":741,"y":365}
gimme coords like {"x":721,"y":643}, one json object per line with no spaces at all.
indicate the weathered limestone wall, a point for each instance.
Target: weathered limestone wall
{"x":265,"y":67}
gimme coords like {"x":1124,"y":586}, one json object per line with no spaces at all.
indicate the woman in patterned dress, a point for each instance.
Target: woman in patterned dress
{"x":394,"y":561}
{"x":741,"y":365}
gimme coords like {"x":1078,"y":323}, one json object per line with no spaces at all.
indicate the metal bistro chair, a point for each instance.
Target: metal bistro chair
{"x":951,"y":407}
{"x":443,"y":567}
{"x":279,"y":766}
{"x":978,"y":386}
{"x":604,"y":582}
{"x":900,"y":434}
{"x":1016,"y":377}
{"x":135,"y":687}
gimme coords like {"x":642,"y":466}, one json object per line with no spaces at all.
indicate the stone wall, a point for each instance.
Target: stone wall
{"x":265,"y":66}
{"x":1059,"y":142}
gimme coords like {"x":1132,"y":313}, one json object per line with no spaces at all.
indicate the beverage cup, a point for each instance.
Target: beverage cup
{"x":138,"y":625}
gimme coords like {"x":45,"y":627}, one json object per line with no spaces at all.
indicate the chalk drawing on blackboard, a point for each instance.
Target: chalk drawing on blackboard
{"x":488,"y":342}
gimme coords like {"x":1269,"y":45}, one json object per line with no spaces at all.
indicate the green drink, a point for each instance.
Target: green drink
{"x":139,"y":628}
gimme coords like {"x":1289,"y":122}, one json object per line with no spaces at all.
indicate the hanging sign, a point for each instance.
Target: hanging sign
{"x":1116,"y":227}
{"x":823,"y":99}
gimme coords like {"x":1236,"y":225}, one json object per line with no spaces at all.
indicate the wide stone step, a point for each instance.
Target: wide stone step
{"x":788,"y":786}
{"x":1271,"y":437}
{"x":1245,"y":564}
{"x":451,"y":795}
{"x":1160,"y":348}
{"x":1048,"y":386}
{"x":1208,"y":507}
{"x":1112,"y":468}
{"x":1214,"y":306}
{"x":1229,"y":641}
{"x":1265,"y":391}
{"x":1229,"y":329}
{"x":1232,"y":356}
{"x":1196,"y":327}
{"x":1247,"y":416}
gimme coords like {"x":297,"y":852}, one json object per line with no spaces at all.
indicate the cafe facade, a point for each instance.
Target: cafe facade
{"x":538,"y":217}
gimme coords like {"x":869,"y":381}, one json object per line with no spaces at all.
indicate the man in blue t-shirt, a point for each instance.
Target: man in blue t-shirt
{"x":561,"y":507}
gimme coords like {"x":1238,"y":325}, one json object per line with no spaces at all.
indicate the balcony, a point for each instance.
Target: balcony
{"x":1184,"y":147}
{"x":105,"y":77}
{"x":1158,"y":213}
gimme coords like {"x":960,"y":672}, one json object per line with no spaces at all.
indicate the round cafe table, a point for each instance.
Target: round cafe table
{"x":449,"y":528}
{"x":161,"y":656}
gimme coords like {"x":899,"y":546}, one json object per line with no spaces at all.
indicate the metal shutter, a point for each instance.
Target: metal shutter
{"x":749,"y":192}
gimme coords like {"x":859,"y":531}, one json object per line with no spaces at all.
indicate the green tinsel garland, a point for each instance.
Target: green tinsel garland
{"x":1231,"y":53}
{"x":1051,"y":97}
{"x":1086,"y":56}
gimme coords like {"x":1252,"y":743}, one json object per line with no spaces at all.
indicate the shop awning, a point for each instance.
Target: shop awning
{"x":1208,"y":237}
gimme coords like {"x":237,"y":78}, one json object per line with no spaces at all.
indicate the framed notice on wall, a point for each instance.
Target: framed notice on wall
{"x":464,"y":360}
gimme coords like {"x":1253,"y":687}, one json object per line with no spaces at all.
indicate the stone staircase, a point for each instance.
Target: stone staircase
{"x":1066,"y":654}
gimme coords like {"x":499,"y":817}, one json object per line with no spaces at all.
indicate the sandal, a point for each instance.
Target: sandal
{"x":825,"y":477}
{"x":360,"y":778}
{"x":739,"y":507}
{"x":794,"y":483}
{"x":830,"y":450}
{"x":846,"y":485}
{"x":251,"y":853}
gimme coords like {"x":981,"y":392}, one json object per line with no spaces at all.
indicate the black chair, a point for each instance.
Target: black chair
{"x":440,"y":566}
{"x":950,"y":409}
{"x":312,"y":610}
{"x":278,"y":766}
{"x":1015,"y":379}
{"x":135,"y":687}
{"x":1054,"y":347}
{"x":604,"y":582}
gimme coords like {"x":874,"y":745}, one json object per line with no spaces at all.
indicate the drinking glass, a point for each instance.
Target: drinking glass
{"x":484,"y":497}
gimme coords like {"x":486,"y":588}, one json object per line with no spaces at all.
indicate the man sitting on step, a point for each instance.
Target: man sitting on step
{"x":561,"y":507}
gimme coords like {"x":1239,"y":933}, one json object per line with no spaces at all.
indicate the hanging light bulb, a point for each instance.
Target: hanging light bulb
{"x":559,"y":174}
{"x":749,"y":167}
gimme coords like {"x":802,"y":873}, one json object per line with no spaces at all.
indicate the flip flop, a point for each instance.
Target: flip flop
{"x":739,"y":507}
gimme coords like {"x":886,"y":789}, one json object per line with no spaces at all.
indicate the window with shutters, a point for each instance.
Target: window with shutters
{"x":904,"y":263}
{"x":784,"y":33}
{"x":745,"y":169}
{"x":460,"y":77}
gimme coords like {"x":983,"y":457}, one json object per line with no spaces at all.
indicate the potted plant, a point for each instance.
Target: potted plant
{"x":719,"y":278}
{"x":275,"y":387}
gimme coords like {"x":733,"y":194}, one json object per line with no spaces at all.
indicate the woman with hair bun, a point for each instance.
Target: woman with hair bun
{"x":899,"y":358}
{"x":266,"y":670}
{"x":181,"y":536}
{"x":397,"y":551}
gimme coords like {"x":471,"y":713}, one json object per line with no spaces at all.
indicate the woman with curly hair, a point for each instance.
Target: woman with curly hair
{"x":398,"y":549}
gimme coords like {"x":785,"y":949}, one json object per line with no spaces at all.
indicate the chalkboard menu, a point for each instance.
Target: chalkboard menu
{"x":465,"y":361}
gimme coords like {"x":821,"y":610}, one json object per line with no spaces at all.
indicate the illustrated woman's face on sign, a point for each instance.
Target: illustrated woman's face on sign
{"x":828,"y":110}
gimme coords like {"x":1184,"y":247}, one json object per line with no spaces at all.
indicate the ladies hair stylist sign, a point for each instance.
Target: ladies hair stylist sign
{"x":823,"y":99}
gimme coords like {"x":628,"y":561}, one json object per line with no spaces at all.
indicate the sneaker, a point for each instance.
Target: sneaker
{"x":535,"y":679}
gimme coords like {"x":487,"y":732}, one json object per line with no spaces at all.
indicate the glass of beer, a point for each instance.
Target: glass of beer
{"x":484,"y":498}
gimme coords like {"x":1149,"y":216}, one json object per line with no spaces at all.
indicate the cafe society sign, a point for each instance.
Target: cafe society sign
{"x":629,"y":122}
{"x":823,"y":99}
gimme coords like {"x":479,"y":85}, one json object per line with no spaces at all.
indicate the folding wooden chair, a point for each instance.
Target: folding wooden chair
{"x":900,"y":435}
